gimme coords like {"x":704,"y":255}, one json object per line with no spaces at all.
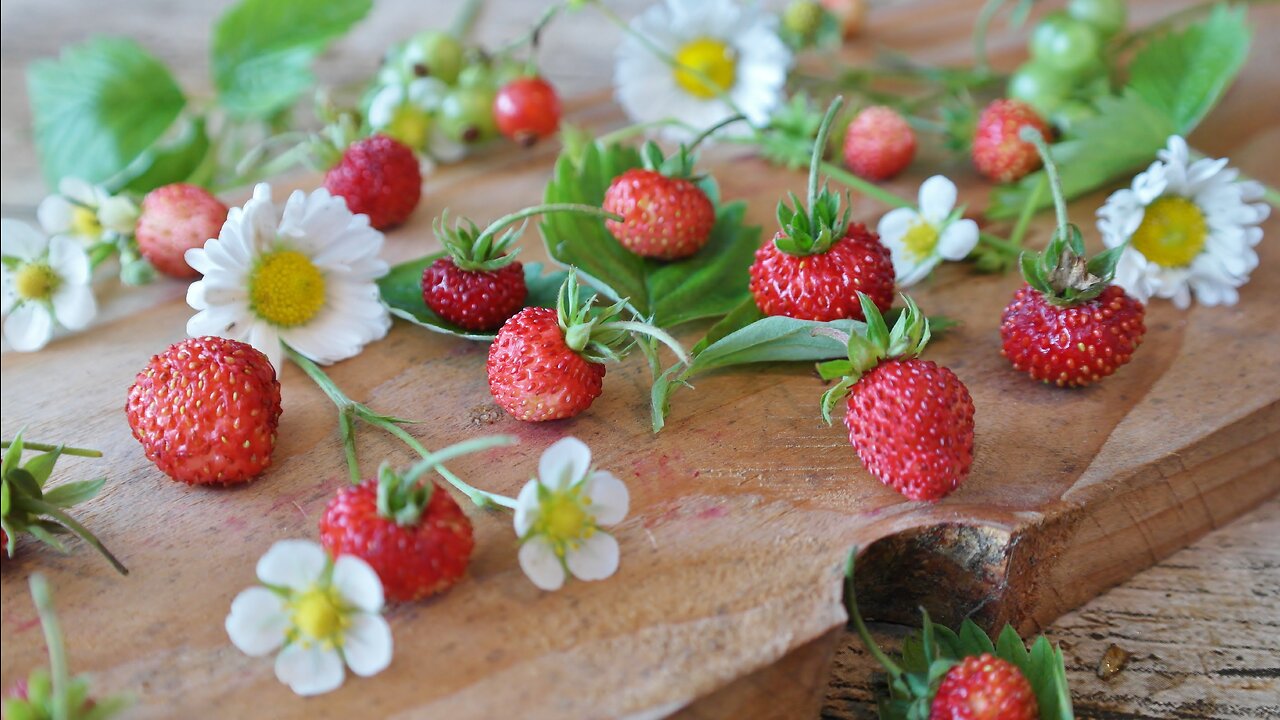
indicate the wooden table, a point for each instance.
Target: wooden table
{"x":202,"y":662}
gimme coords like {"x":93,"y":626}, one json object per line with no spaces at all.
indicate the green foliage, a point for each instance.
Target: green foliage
{"x":99,"y":107}
{"x":263,"y":49}
{"x":789,"y":138}
{"x":708,"y":284}
{"x":185,"y":158}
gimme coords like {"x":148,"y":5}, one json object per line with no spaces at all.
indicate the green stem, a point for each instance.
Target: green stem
{"x":869,"y":189}
{"x":43,"y":447}
{"x":999,"y":243}
{"x":654,"y":332}
{"x":980,"y":27}
{"x":580,"y":209}
{"x":711,"y":130}
{"x":59,"y":673}
{"x":815,"y":159}
{"x":465,"y":20}
{"x":1034,"y":137}
{"x":852,"y":599}
{"x":41,"y":507}
{"x":641,"y":128}
{"x":531,"y":37}
{"x":480,"y":497}
{"x":1028,"y":211}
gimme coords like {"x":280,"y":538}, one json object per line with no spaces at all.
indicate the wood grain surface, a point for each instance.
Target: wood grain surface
{"x":742,"y":509}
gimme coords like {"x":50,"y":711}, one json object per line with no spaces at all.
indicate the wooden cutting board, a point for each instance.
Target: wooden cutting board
{"x":742,"y":509}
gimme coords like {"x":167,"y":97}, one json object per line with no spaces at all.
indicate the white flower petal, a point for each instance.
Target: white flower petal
{"x":294,"y":564}
{"x":958,"y":240}
{"x":937,"y":199}
{"x":895,"y":223}
{"x":540,"y":564}
{"x":608,"y":496}
{"x":55,"y":214}
{"x":310,"y":671}
{"x":29,"y":327}
{"x":69,"y":260}
{"x":20,"y":240}
{"x":258,"y":622}
{"x":358,"y":583}
{"x":367,"y":644}
{"x":74,"y":306}
{"x":80,"y":191}
{"x":527,"y":508}
{"x":595,"y":559}
{"x":118,"y":214}
{"x":564,"y":463}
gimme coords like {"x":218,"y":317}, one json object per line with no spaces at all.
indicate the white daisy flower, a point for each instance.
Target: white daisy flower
{"x":323,"y":613}
{"x":1190,"y":227}
{"x":43,"y":280}
{"x":302,"y":276}
{"x":406,"y":113}
{"x":558,"y":516}
{"x":86,"y":212}
{"x":920,"y":238}
{"x":722,"y":49}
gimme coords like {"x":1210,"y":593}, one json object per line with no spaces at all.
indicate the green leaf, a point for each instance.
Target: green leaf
{"x":1184,"y":74}
{"x":775,"y":339}
{"x":711,"y":283}
{"x":401,"y":290}
{"x":973,"y":641}
{"x":41,"y":466}
{"x":263,"y":49}
{"x":177,"y":160}
{"x":74,"y":493}
{"x":1123,"y":136}
{"x":1009,"y":646}
{"x":98,"y":107}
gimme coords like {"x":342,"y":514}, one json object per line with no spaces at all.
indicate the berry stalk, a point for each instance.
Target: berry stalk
{"x":1033,"y":136}
{"x":60,"y":675}
{"x":61,"y":449}
{"x":39,"y":507}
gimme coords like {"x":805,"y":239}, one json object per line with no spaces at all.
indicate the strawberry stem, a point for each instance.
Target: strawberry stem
{"x":59,"y":673}
{"x":1033,"y":136}
{"x":815,"y":161}
{"x":851,"y":599}
{"x":712,"y":130}
{"x":579,"y":209}
{"x":43,"y":447}
{"x":40,"y":507}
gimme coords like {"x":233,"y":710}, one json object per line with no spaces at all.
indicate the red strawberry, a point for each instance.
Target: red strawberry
{"x":549,"y":364}
{"x":818,"y":262}
{"x":879,"y":143}
{"x":526,"y":110}
{"x":474,"y":299}
{"x":999,"y":152}
{"x":206,"y":411}
{"x":379,"y":177}
{"x":664,"y":214}
{"x":984,"y":687}
{"x":910,"y":420}
{"x":1069,"y":325}
{"x":411,"y":532}
{"x":176,"y":218}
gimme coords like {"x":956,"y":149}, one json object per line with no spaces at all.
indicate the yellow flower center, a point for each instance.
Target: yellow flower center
{"x":708,"y":67}
{"x":84,"y":223}
{"x":286,"y":288}
{"x":35,"y":281}
{"x":318,"y":616}
{"x":410,"y":126}
{"x":564,"y":520}
{"x":1172,"y":232}
{"x":920,"y":240}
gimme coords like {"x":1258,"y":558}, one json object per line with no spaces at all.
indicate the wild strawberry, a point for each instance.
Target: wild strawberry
{"x":549,"y":364}
{"x":984,"y":687}
{"x":527,"y":109}
{"x":879,"y":143}
{"x":910,"y":420}
{"x":206,"y":411}
{"x":379,"y":177}
{"x":818,"y":262}
{"x":410,"y":531}
{"x":478,"y":285}
{"x":664,"y":214}
{"x":1069,"y":325}
{"x":174,"y":219}
{"x":999,"y":152}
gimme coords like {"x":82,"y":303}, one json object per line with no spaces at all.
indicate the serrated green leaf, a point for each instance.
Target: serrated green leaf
{"x":74,"y":493}
{"x":178,"y":160}
{"x":401,"y":290}
{"x":1184,"y":73}
{"x":263,"y":49}
{"x":711,"y":283}
{"x":98,"y":107}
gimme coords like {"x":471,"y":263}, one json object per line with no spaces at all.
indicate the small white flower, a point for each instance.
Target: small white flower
{"x":921,"y":238}
{"x":406,"y":113}
{"x":323,"y":613}
{"x":559,"y":514}
{"x":305,"y":275}
{"x":1188,"y":227}
{"x":722,"y":48}
{"x":86,"y":212}
{"x":44,"y":280}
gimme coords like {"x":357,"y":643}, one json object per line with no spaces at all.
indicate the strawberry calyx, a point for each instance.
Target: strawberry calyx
{"x":474,"y":250}
{"x":813,"y":227}
{"x":907,"y":339}
{"x":403,"y":497}
{"x":680,"y":163}
{"x":598,"y":333}
{"x":1062,"y":272}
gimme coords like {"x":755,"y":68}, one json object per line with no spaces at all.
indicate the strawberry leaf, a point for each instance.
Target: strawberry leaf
{"x":402,"y":292}
{"x":709,"y":284}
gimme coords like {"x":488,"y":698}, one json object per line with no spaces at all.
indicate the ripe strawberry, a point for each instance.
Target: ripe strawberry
{"x":910,"y":420}
{"x":664,"y":214}
{"x":984,"y":687}
{"x":410,"y":531}
{"x":999,"y":152}
{"x":818,"y":262}
{"x":176,"y":218}
{"x":377,"y":176}
{"x":879,"y":143}
{"x":526,"y":110}
{"x":206,"y":411}
{"x":549,"y":364}
{"x":1068,"y":324}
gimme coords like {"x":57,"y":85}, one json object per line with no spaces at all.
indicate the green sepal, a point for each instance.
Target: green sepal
{"x":73,"y":493}
{"x":402,"y":498}
{"x":41,"y":466}
{"x":814,"y":229}
{"x":473,"y":249}
{"x":604,"y":334}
